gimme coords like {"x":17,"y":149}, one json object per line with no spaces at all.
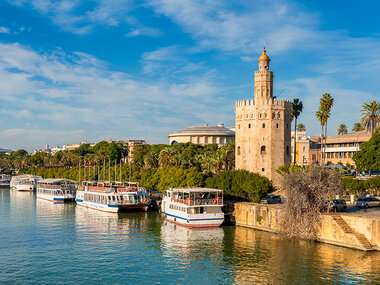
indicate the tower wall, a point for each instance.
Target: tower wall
{"x":263,"y":128}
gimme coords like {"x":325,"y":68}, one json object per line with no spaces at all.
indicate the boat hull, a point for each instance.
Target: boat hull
{"x":112,"y":208}
{"x":55,"y":199}
{"x":194,"y":222}
{"x":27,"y":188}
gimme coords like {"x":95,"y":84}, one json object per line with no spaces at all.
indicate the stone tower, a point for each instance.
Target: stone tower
{"x":263,"y":127}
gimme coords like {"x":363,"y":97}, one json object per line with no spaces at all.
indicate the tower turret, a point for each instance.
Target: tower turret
{"x":263,"y":79}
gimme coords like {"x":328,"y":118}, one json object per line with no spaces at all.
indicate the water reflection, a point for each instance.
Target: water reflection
{"x":187,"y":242}
{"x":45,"y":208}
{"x":104,"y":222}
{"x":263,"y":256}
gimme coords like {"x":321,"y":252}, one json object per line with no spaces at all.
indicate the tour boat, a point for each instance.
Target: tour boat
{"x":114,"y":198}
{"x":57,"y":190}
{"x":193,"y":207}
{"x":25,"y":182}
{"x":5,"y":181}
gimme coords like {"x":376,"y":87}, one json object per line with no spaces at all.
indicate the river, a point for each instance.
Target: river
{"x":45,"y":243}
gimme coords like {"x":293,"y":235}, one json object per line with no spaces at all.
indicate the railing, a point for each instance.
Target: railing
{"x":200,"y":202}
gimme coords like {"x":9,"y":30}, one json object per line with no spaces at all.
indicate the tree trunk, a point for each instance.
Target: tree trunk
{"x":322,"y":146}
{"x":325,"y":144}
{"x":295,"y":139}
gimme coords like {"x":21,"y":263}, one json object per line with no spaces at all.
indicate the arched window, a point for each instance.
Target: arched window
{"x":249,"y":126}
{"x":277,"y":126}
{"x":265,"y":115}
{"x":273,"y":115}
{"x":263,"y":150}
{"x":174,"y":142}
{"x":263,"y":125}
{"x":260,"y":116}
{"x":238,"y":150}
{"x":278,"y":115}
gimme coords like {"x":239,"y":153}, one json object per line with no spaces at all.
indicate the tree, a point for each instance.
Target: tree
{"x":369,"y":155}
{"x":297,"y":108}
{"x":370,"y":114}
{"x":357,"y":127}
{"x":342,"y":129}
{"x":306,"y":190}
{"x":301,"y":127}
{"x":323,"y":114}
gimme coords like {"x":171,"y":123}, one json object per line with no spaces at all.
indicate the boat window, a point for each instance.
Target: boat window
{"x":201,"y":210}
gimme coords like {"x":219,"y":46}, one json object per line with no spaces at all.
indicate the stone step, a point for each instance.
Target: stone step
{"x":364,"y":242}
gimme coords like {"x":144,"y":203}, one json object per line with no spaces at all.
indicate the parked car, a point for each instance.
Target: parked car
{"x":335,"y":205}
{"x":272,"y":199}
{"x":366,"y":202}
{"x":359,"y":173}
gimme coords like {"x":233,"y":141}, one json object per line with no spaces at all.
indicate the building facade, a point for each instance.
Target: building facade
{"x":339,"y":149}
{"x":263,"y":126}
{"x":203,"y":135}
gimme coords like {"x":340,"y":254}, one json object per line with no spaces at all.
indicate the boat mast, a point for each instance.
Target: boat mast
{"x":115,"y":168}
{"x":109,"y":170}
{"x":120,"y":170}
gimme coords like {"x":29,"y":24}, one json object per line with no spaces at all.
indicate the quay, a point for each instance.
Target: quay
{"x":358,"y":230}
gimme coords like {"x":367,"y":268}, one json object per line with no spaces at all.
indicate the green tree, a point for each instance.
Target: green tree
{"x":370,"y":114}
{"x":297,"y":108}
{"x":369,"y":155}
{"x":301,"y":127}
{"x":357,"y":127}
{"x":342,"y":129}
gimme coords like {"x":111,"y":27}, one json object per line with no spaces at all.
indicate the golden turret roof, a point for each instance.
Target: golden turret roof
{"x":264,"y":55}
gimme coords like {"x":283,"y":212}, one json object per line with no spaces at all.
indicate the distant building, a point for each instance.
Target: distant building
{"x":203,"y":135}
{"x":75,"y":146}
{"x":56,"y":149}
{"x":6,"y":151}
{"x":338,"y":149}
{"x":131,"y":144}
{"x":342,"y":148}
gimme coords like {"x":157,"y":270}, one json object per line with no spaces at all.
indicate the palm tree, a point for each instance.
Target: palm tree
{"x":357,"y":127}
{"x":297,"y":108}
{"x":322,"y":120}
{"x":370,"y":114}
{"x":342,"y":129}
{"x":301,"y":127}
{"x":326,"y":103}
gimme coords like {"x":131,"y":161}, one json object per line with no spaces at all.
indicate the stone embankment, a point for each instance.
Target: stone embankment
{"x":343,"y":229}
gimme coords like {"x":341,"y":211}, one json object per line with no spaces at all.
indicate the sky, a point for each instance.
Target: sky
{"x":76,"y":70}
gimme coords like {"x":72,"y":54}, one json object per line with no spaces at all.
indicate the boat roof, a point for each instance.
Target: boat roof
{"x":55,"y":180}
{"x":194,"y":189}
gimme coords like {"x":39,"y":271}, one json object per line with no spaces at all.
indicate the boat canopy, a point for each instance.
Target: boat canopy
{"x":194,"y":190}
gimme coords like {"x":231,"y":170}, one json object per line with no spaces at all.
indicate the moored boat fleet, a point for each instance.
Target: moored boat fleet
{"x":192,"y":207}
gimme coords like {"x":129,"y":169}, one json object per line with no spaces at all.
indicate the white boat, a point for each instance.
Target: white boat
{"x":108,"y":197}
{"x":5,"y":181}
{"x":193,"y":207}
{"x":25,"y":182}
{"x":57,"y":190}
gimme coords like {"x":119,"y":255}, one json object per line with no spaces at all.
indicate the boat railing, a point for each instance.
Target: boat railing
{"x":198,"y":202}
{"x":60,"y":187}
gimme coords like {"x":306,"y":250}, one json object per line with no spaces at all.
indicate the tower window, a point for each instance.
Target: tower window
{"x":277,"y":126}
{"x":249,"y":126}
{"x":287,"y":150}
{"x":263,"y":150}
{"x":273,"y":115}
{"x":278,"y":115}
{"x":262,"y":169}
{"x":238,"y":150}
{"x":263,"y":125}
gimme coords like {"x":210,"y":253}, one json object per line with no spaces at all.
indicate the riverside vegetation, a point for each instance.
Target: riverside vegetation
{"x":154,"y":166}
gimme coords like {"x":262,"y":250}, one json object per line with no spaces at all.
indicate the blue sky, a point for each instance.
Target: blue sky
{"x":74,"y":70}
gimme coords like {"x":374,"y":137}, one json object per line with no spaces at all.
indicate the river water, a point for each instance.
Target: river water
{"x":42,"y":242}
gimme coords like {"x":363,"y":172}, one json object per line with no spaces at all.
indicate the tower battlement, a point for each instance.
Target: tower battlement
{"x":274,"y":101}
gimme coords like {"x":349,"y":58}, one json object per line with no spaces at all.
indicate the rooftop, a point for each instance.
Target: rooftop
{"x":205,"y":129}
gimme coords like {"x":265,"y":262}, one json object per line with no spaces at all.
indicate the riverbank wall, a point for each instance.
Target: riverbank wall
{"x":341,"y":229}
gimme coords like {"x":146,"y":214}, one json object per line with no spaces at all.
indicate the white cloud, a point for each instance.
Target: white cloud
{"x":242,"y":29}
{"x":65,"y":92}
{"x":4,"y":30}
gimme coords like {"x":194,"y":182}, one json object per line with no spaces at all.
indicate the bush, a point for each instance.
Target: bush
{"x":306,"y":189}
